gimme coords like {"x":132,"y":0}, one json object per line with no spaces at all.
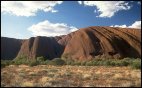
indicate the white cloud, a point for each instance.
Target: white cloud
{"x":136,"y":24}
{"x":46,"y":28}
{"x":28,"y":8}
{"x":80,"y":2}
{"x":108,"y":8}
{"x":139,"y":2}
{"x":122,"y":26}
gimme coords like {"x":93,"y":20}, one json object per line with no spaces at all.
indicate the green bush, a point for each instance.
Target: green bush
{"x":125,"y":63}
{"x":83,"y":63}
{"x":26,"y":62}
{"x":136,"y":64}
{"x":69,"y":62}
{"x":46,"y":62}
{"x":78,"y":63}
{"x":57,"y":61}
{"x":107,"y":63}
{"x":94,"y":63}
{"x":89,"y":63}
{"x":33,"y":63}
{"x":41,"y":59}
{"x":66,"y":56}
{"x":5,"y":63}
{"x":21,"y":60}
{"x":113,"y":62}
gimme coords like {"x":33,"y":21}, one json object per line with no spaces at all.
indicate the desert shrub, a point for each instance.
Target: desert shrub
{"x":124,"y":63}
{"x":94,"y":63}
{"x":24,"y":60}
{"x":77,"y":63}
{"x":17,"y":62}
{"x":89,"y":63}
{"x":83,"y":63}
{"x":33,"y":63}
{"x":46,"y":62}
{"x":113,"y":63}
{"x":12,"y":62}
{"x":116,"y":63}
{"x":5,"y":63}
{"x":129,"y":60}
{"x":41,"y":59}
{"x":69,"y":63}
{"x":107,"y":63}
{"x":66,"y":56}
{"x":21,"y":60}
{"x":101,"y":63}
{"x":98,"y":62}
{"x":68,"y":59}
{"x":57,"y":61}
{"x":136,"y":64}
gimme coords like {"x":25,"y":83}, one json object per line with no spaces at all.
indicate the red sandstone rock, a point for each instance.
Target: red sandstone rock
{"x":84,"y":44}
{"x":109,"y":42}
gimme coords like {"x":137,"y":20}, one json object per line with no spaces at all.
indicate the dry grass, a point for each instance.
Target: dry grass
{"x":69,"y":76}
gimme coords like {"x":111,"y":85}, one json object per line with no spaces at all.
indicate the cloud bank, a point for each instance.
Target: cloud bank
{"x":28,"y":8}
{"x":136,"y":24}
{"x":46,"y":28}
{"x":107,"y":8}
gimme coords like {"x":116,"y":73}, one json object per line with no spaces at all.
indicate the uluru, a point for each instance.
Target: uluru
{"x":70,"y":43}
{"x":83,"y":44}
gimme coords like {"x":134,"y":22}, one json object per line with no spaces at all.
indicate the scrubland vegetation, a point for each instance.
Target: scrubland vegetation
{"x":58,"y":72}
{"x":132,"y":62}
{"x":69,"y":76}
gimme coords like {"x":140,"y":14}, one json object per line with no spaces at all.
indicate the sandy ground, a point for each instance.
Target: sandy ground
{"x":69,"y":76}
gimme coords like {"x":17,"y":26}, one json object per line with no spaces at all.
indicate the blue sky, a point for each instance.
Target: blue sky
{"x":58,"y":18}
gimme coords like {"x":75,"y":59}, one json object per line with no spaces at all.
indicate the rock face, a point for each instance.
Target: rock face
{"x":84,"y":44}
{"x":41,"y":46}
{"x":104,"y":42}
{"x":10,"y":47}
